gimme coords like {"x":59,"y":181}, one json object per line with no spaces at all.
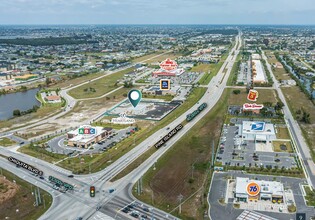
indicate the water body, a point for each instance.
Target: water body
{"x":20,"y":100}
{"x":303,"y":79}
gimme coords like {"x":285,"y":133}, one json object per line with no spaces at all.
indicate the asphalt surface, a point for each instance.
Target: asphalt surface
{"x":71,"y":206}
{"x":218,"y":190}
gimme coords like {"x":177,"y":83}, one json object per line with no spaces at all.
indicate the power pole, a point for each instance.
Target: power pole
{"x":36,"y":198}
{"x":192,"y":171}
{"x":39,"y":198}
{"x":212,"y":159}
{"x":180,"y":197}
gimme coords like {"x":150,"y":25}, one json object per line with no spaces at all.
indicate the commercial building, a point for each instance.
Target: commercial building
{"x":163,"y":72}
{"x":53,"y":99}
{"x":257,"y":131}
{"x":266,"y":190}
{"x":258,"y":72}
{"x":85,"y":136}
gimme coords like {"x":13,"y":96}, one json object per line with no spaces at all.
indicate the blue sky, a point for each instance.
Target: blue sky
{"x":157,"y":12}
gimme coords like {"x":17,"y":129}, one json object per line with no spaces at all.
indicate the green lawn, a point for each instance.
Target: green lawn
{"x":310,"y":196}
{"x":287,"y":144}
{"x":212,"y":67}
{"x":234,"y":71}
{"x":147,"y":56}
{"x":5,"y":142}
{"x":23,"y":200}
{"x":99,"y":87}
{"x":41,"y":153}
{"x":163,"y":97}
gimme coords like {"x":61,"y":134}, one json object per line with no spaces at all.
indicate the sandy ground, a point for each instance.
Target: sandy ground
{"x":9,"y":191}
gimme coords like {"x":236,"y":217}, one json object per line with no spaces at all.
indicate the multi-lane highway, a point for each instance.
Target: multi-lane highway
{"x":78,"y":203}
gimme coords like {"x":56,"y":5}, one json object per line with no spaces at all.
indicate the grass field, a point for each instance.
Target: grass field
{"x":148,"y":56}
{"x":174,"y":174}
{"x":265,"y":95}
{"x":310,"y":196}
{"x":277,"y":148}
{"x":296,"y":100}
{"x":280,"y":73}
{"x":101,"y":86}
{"x":234,"y":71}
{"x":212,"y":67}
{"x":282,"y":133}
{"x":41,"y":153}
{"x":26,"y":119}
{"x":163,"y":97}
{"x":76,"y":81}
{"x":5,"y":142}
{"x":161,"y":58}
{"x":23,"y":200}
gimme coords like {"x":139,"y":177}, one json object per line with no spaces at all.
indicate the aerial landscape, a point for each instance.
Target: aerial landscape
{"x":157,"y":110}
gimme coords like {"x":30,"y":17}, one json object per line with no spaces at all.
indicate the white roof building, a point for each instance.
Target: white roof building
{"x":257,"y":131}
{"x":258,"y":72}
{"x":268,"y":189}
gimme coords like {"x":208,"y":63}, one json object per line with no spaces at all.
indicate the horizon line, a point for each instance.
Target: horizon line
{"x":266,"y":24}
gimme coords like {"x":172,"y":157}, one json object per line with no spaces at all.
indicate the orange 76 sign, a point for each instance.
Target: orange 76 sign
{"x":252,"y":95}
{"x":252,"y":189}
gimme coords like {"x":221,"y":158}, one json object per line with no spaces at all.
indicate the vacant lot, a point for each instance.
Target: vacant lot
{"x":5,"y":142}
{"x":265,"y":95}
{"x":41,"y":113}
{"x":212,"y":68}
{"x":184,"y":169}
{"x":163,"y":57}
{"x":297,"y":100}
{"x":22,"y":199}
{"x":280,"y":73}
{"x":99,"y":87}
{"x":148,"y":56}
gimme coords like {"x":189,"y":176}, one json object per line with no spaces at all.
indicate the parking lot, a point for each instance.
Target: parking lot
{"x":227,"y":211}
{"x":57,"y":145}
{"x":232,"y":151}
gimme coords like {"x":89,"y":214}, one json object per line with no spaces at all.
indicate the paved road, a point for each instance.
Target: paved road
{"x":72,"y":101}
{"x":101,"y":179}
{"x":302,"y":149}
{"x":218,"y":190}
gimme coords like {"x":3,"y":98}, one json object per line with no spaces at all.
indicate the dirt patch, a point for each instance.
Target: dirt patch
{"x":7,"y":189}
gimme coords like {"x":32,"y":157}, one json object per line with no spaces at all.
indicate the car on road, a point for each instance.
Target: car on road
{"x":144,"y":216}
{"x":135,"y":215}
{"x":126,"y":210}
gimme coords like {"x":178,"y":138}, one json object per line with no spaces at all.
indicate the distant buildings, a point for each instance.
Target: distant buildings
{"x":258,"y":72}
